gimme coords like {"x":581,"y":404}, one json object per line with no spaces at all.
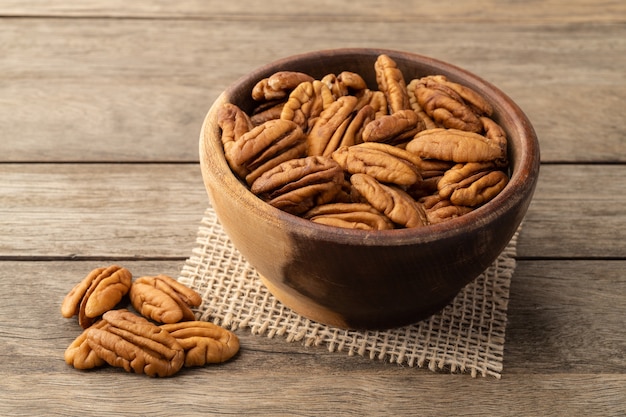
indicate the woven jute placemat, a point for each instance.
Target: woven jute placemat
{"x":467,"y":336}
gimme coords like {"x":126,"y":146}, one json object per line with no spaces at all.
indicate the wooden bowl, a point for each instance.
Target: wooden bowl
{"x":358,"y":279}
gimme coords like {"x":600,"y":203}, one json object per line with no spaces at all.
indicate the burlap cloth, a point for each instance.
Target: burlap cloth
{"x":466,"y":337}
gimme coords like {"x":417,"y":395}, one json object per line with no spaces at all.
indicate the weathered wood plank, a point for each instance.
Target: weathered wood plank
{"x":578,"y":211}
{"x":138,"y":90}
{"x":566,"y":316}
{"x":122,"y":210}
{"x":391,"y":10}
{"x":100,"y":210}
{"x":563,"y":357}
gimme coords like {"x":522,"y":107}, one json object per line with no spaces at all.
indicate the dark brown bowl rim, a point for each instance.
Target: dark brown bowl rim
{"x":522,"y":181}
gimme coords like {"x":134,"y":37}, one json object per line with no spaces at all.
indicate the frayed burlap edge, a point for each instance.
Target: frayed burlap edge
{"x":466,"y":337}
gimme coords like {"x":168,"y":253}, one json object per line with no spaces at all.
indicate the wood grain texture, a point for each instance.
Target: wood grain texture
{"x":562,"y":358}
{"x":138,"y":90}
{"x":391,"y":10}
{"x":154,"y":210}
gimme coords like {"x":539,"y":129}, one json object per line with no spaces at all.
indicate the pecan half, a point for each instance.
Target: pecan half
{"x":278,"y":85}
{"x":395,"y":128}
{"x":203,"y":342}
{"x":445,"y":103}
{"x":346,"y":83}
{"x":383,"y":162}
{"x":391,"y":82}
{"x":234,"y":122}
{"x":454,"y":177}
{"x":267,"y":111}
{"x":133,"y":343}
{"x":353,"y":134}
{"x":261,"y":148}
{"x":300,"y":105}
{"x":297,"y":185}
{"x":415,"y":105}
{"x":80,"y":355}
{"x":101,"y":290}
{"x":479,"y":188}
{"x":455,"y":145}
{"x":329,"y":127}
{"x":163,"y":299}
{"x":439,"y":210}
{"x":350,"y":216}
{"x":396,"y":204}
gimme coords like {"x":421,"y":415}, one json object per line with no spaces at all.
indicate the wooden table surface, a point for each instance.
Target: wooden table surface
{"x":100,"y":109}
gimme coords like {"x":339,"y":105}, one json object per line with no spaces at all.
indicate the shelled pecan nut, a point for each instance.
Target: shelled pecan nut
{"x":80,"y":355}
{"x":445,"y":211}
{"x":455,"y":145}
{"x":101,"y":290}
{"x":454,"y":177}
{"x":297,"y":185}
{"x":278,"y":85}
{"x":350,"y":216}
{"x":395,"y":128}
{"x":396,"y":204}
{"x":381,"y":161}
{"x":133,"y":343}
{"x":203,"y":342}
{"x":328,"y":129}
{"x":267,"y":111}
{"x":264,"y":147}
{"x":451,"y":105}
{"x":346,"y":83}
{"x":302,"y":105}
{"x":163,"y":299}
{"x":479,"y":188}
{"x":417,"y":108}
{"x":391,"y":82}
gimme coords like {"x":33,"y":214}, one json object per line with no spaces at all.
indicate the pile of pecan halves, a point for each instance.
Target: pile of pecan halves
{"x":339,"y":153}
{"x":160,"y":342}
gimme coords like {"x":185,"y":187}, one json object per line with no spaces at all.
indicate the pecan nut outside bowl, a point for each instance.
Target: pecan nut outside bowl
{"x":359,"y":279}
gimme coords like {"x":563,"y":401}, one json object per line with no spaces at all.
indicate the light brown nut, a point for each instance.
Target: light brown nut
{"x":297,"y":185}
{"x":136,"y":345}
{"x":101,"y":290}
{"x":396,"y":204}
{"x":476,"y":101}
{"x":496,"y":135}
{"x":263,"y":144}
{"x":379,"y":102}
{"x":353,"y":134}
{"x":300,"y":105}
{"x":395,"y":128}
{"x":329,"y":127}
{"x":383,"y":162}
{"x":428,"y":122}
{"x":203,"y":342}
{"x":267,"y":111}
{"x":434,"y":167}
{"x":163,"y":299}
{"x":233,"y":121}
{"x":391,"y":82}
{"x":455,"y":145}
{"x":454,"y":177}
{"x":349,"y":215}
{"x":80,"y":355}
{"x":346,"y":83}
{"x":278,"y":85}
{"x":479,"y":188}
{"x":445,"y":211}
{"x":445,"y":106}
